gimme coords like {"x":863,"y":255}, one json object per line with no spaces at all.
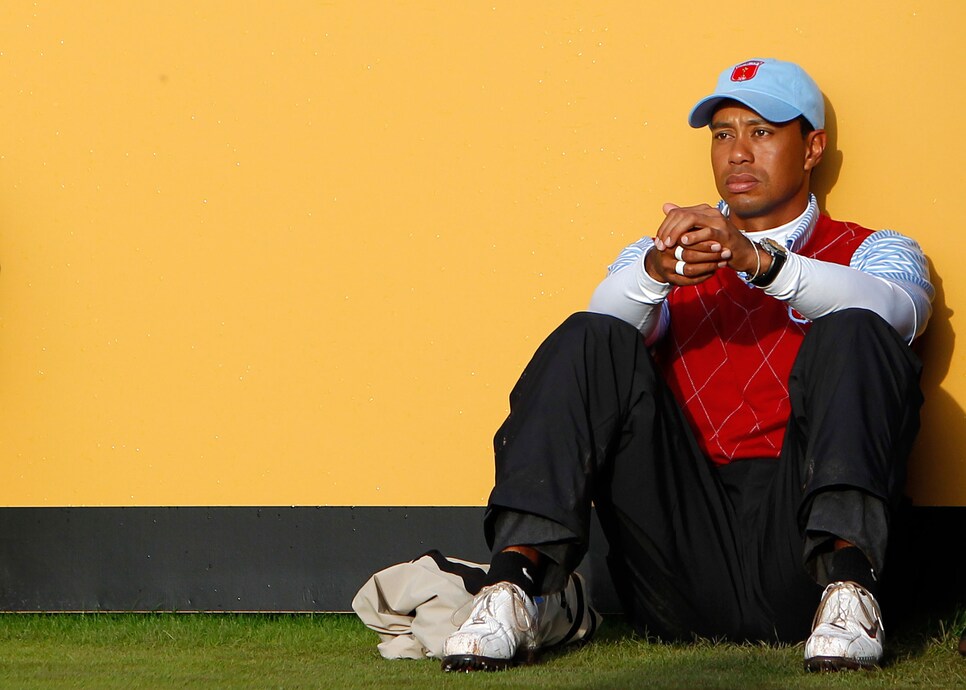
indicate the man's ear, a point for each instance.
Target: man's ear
{"x":814,"y":148}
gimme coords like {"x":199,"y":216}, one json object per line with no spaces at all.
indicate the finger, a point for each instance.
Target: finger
{"x":679,"y":221}
{"x":697,"y":234}
{"x":673,"y":226}
{"x":708,"y":246}
{"x":690,"y":270}
{"x":710,"y":251}
{"x":691,"y":263}
{"x":693,"y":256}
{"x":680,"y":273}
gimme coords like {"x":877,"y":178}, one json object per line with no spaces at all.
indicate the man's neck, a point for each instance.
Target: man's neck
{"x":783,"y":229}
{"x":754,"y":225}
{"x":768,"y":222}
{"x":778,"y":216}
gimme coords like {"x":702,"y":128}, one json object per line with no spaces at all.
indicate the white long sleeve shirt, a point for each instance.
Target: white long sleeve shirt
{"x":887,"y":275}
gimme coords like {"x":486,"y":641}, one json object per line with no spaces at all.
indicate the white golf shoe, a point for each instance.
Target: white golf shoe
{"x":500,"y":631}
{"x":847,"y":630}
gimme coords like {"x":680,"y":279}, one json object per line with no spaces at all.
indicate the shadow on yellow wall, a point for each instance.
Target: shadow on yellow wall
{"x":943,"y":429}
{"x":943,"y":435}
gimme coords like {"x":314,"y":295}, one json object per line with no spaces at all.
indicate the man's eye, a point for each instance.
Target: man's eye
{"x":761,"y":132}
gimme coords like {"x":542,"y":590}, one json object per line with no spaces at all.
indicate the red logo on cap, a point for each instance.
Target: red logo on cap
{"x":746,"y":70}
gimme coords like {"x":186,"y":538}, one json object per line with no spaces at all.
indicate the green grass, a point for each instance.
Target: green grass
{"x":337,"y":651}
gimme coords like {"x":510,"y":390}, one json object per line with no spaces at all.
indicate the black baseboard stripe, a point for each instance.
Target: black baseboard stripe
{"x":305,"y":559}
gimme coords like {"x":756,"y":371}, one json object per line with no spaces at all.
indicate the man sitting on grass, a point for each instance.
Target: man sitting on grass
{"x":738,"y":404}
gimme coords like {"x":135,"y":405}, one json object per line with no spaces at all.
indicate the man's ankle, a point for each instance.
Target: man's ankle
{"x":849,"y":564}
{"x":516,"y":566}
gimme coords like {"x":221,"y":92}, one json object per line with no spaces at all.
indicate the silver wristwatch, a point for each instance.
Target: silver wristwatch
{"x":778,"y":255}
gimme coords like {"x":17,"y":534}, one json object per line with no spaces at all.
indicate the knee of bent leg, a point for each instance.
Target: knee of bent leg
{"x":584,"y":324}
{"x":858,"y":334}
{"x":853,"y":320}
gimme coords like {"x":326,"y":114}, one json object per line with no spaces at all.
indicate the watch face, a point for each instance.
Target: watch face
{"x":772,"y":247}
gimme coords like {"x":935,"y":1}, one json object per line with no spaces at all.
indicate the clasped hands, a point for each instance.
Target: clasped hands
{"x":694,"y":242}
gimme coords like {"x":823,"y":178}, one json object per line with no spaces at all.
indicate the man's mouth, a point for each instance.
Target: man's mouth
{"x":737,"y":184}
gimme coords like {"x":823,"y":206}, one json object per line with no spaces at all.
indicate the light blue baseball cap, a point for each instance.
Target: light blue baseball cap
{"x":778,"y":91}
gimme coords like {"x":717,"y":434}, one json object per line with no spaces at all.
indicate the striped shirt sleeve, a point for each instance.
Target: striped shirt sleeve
{"x":887,"y":274}
{"x":895,"y":258}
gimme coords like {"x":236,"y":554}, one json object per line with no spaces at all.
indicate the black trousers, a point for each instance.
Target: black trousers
{"x":696,"y":549}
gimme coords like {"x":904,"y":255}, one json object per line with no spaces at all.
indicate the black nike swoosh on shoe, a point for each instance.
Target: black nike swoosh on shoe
{"x":872,"y":632}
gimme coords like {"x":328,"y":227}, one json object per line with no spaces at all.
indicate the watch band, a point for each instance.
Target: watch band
{"x":778,"y":255}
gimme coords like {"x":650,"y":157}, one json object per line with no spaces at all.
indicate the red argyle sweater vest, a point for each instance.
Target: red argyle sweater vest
{"x":729,"y":351}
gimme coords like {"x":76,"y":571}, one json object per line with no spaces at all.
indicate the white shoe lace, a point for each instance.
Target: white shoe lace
{"x":844,"y":609}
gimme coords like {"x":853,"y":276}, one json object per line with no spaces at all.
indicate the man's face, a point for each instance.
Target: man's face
{"x":762,"y":169}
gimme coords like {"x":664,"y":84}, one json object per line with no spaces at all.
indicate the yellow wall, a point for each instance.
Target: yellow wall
{"x":297,"y":252}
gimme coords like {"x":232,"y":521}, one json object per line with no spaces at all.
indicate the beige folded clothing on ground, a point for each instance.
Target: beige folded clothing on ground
{"x":414,"y":606}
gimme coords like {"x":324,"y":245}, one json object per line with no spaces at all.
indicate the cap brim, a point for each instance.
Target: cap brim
{"x":769,"y":107}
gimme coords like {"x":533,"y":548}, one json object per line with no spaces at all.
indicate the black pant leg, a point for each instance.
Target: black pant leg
{"x":855,"y":407}
{"x":591,"y":420}
{"x":855,"y":401}
{"x":567,"y":412}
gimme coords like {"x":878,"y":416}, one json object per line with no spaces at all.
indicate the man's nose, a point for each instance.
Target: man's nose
{"x":741,"y":151}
